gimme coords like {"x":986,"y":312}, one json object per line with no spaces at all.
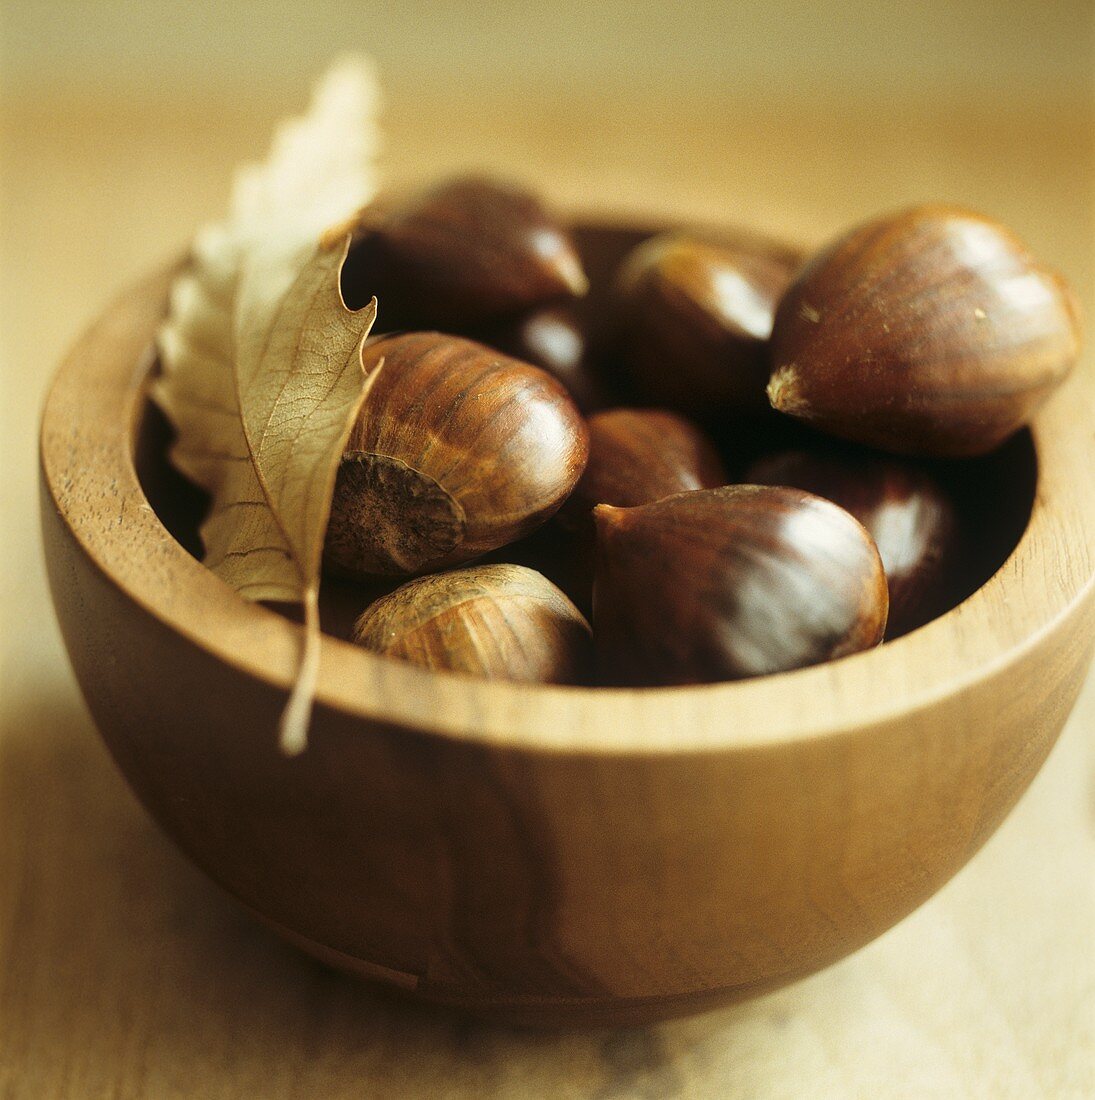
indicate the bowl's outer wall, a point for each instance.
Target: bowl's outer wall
{"x":476,"y":873}
{"x":558,"y":886}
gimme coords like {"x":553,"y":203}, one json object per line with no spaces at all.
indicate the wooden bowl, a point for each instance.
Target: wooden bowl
{"x":545,"y":854}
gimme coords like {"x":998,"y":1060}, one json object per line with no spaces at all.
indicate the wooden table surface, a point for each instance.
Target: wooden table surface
{"x":124,"y":973}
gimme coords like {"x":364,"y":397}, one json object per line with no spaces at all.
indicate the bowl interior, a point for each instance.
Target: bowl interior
{"x":994,"y":495}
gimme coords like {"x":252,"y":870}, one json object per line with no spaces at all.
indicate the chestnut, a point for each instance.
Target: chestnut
{"x":635,"y":456}
{"x":933,"y":331}
{"x":692,"y":321}
{"x":908,"y":513}
{"x":553,"y":338}
{"x":457,"y":450}
{"x":501,"y":622}
{"x":641,"y":455}
{"x":721,"y":584}
{"x":465,"y":250}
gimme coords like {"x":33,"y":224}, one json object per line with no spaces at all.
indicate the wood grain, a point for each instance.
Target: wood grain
{"x":125,"y":974}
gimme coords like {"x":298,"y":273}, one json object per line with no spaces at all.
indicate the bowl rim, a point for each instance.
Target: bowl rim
{"x":88,"y":429}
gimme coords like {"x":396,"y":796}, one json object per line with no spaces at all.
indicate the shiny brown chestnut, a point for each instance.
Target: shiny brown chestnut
{"x":933,"y":331}
{"x":465,"y":250}
{"x":693,"y":321}
{"x":553,"y":338}
{"x":722,"y":584}
{"x":458,"y":449}
{"x":908,"y":513}
{"x":501,"y":622}
{"x":637,"y":456}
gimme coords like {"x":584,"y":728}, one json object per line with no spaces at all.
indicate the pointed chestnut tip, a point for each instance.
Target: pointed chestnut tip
{"x":570,"y":271}
{"x":608,"y":516}
{"x":555,"y":252}
{"x":783,"y":390}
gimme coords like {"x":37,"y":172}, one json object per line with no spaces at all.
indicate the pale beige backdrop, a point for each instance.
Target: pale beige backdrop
{"x":122,"y":972}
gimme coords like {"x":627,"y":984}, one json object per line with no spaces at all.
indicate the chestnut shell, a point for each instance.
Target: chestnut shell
{"x":500,"y":622}
{"x":929,"y":332}
{"x":457,"y":450}
{"x":907,"y":511}
{"x":555,"y":338}
{"x":693,"y":320}
{"x":637,"y":456}
{"x":465,"y":250}
{"x":722,"y":584}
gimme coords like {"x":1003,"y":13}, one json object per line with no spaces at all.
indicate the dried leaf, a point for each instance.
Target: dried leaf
{"x":300,"y":384}
{"x":262,"y":375}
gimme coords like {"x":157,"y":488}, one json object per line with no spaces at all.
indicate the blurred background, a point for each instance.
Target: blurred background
{"x":120,"y":123}
{"x":156,"y":48}
{"x":793,"y":115}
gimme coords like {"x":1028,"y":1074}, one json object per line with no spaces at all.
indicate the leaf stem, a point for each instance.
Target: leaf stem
{"x":293,"y":730}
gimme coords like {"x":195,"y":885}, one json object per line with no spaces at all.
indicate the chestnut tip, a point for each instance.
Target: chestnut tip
{"x":608,"y":515}
{"x":569,"y":268}
{"x":783,"y":390}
